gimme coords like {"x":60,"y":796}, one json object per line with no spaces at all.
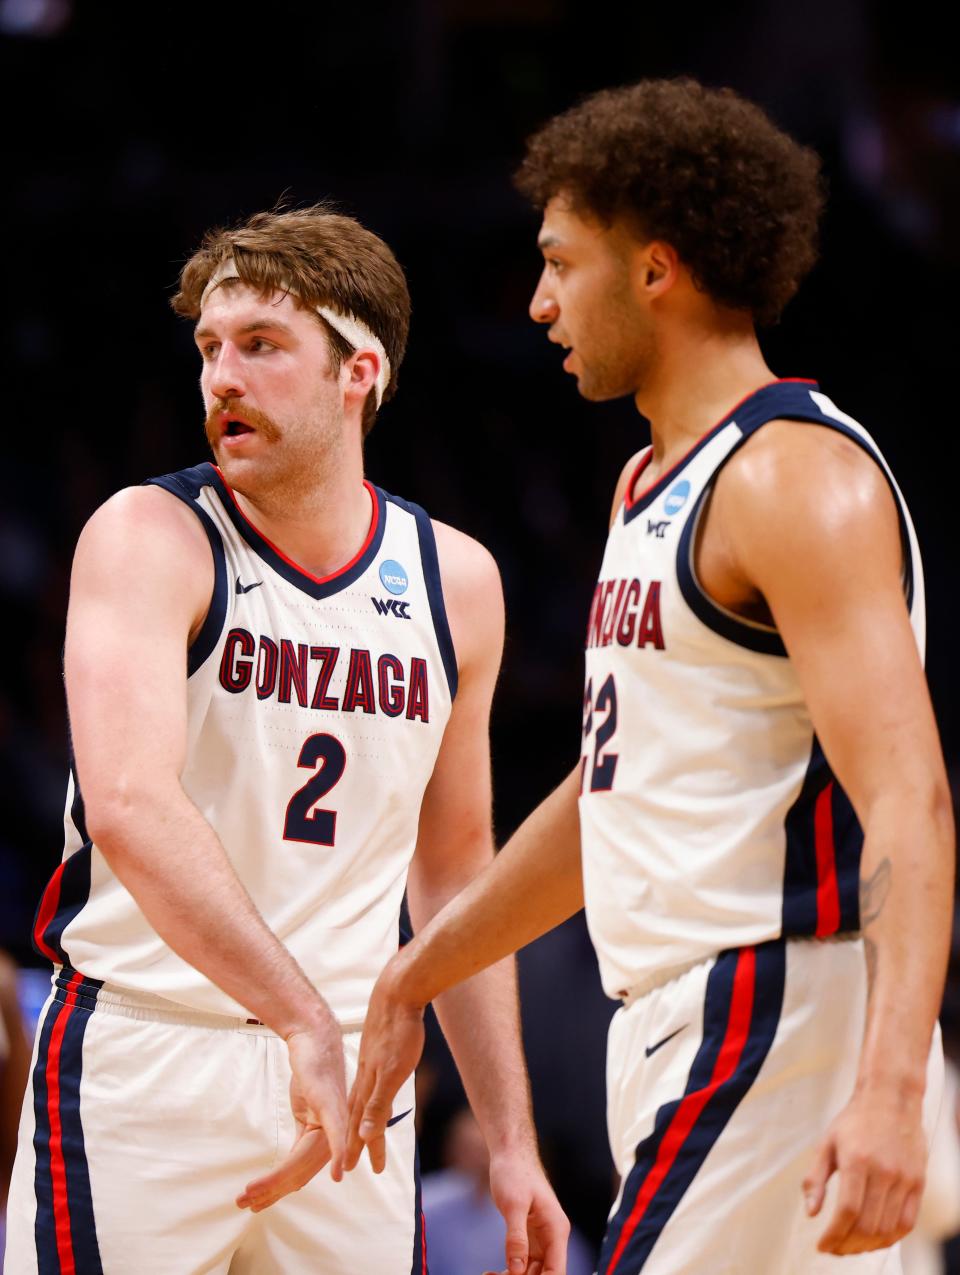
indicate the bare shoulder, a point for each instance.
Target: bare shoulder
{"x":794,"y":462}
{"x":472,"y":592}
{"x":466,"y":566}
{"x":144,"y":554}
{"x":623,"y":482}
{"x":141,"y":513}
{"x":795,"y":477}
{"x":146,"y":524}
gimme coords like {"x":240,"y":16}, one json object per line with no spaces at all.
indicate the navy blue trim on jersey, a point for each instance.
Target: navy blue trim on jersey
{"x":754,"y":637}
{"x":670,"y":477}
{"x":431,"y":576}
{"x":68,"y":1016}
{"x":785,"y":400}
{"x":419,"y":1264}
{"x":768,"y":987}
{"x":801,"y":913}
{"x":316,"y":589}
{"x":186,"y":486}
{"x":74,"y":893}
{"x":77,"y":809}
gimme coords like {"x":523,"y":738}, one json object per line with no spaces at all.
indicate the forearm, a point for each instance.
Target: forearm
{"x":480,"y":1019}
{"x":906,"y":905}
{"x":171,"y":861}
{"x":534,"y":884}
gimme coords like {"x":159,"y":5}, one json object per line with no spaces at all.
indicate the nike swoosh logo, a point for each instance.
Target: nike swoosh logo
{"x":652,"y":1049}
{"x":245,"y":588}
{"x":397,"y":1119}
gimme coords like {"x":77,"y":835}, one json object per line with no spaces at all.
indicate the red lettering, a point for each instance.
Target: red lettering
{"x":236,"y":663}
{"x":628,"y":616}
{"x":358,"y":692}
{"x":418,"y":701}
{"x":650,"y":628}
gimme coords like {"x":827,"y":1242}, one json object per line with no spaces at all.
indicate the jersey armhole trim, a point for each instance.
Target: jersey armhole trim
{"x":736,"y":628}
{"x":431,"y":578}
{"x":206,"y":640}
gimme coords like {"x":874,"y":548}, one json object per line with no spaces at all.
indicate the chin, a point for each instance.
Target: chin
{"x":594,"y":393}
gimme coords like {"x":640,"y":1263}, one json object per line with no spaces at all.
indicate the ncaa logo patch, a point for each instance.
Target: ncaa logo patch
{"x":393,"y":577}
{"x":677,"y":497}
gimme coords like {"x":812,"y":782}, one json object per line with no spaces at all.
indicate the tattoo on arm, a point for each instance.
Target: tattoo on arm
{"x":874,"y":892}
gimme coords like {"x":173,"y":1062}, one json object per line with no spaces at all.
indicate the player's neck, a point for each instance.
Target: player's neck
{"x":701,"y":374}
{"x":320,"y":525}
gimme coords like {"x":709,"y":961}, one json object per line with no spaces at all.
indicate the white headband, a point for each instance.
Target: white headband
{"x":352,"y":329}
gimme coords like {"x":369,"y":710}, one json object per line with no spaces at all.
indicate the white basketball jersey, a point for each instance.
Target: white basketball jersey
{"x":709,"y":815}
{"x":315,"y":713}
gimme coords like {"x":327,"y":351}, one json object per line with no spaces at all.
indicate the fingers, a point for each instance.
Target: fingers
{"x":307,"y":1157}
{"x":873,"y":1211}
{"x":517,"y":1247}
{"x":359,"y":1096}
{"x":815,"y":1183}
{"x":846,"y":1214}
{"x":554,"y":1237}
{"x":371,"y":1105}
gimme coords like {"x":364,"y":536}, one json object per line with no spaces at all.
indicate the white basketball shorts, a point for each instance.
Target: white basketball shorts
{"x":141,"y":1126}
{"x":720,"y":1084}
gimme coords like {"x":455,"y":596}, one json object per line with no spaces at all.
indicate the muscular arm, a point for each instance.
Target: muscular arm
{"x":809,"y":520}
{"x":142,"y":580}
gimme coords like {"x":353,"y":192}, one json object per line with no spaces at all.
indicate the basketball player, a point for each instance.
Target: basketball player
{"x":279,"y":680}
{"x":765,"y":838}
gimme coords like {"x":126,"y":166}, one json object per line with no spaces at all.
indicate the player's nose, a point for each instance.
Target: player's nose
{"x":543,"y":306}
{"x":226,"y":374}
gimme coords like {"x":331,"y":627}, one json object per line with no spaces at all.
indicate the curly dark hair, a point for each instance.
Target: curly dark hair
{"x":700,"y":168}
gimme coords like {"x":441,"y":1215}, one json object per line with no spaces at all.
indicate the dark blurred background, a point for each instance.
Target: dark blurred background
{"x":129,"y":129}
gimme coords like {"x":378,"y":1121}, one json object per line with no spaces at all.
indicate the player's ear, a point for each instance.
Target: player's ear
{"x":363,"y":367}
{"x":656,"y":268}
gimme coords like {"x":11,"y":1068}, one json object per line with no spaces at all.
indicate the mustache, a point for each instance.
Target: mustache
{"x":262,"y":423}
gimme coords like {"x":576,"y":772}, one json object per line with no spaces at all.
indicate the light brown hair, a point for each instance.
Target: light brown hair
{"x":323,"y":258}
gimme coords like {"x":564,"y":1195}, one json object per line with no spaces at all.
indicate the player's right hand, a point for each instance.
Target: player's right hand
{"x":318,"y":1099}
{"x":390,"y":1049}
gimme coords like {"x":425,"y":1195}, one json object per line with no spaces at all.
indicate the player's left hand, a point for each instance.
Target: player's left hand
{"x":537,"y":1227}
{"x":877,"y":1146}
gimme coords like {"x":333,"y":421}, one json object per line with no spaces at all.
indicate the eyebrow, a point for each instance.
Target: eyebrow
{"x":255,"y":325}
{"x":549,"y":241}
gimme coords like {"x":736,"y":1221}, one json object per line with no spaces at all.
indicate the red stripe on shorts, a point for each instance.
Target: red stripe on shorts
{"x":690,"y":1108}
{"x":58,"y":1170}
{"x":828,"y":895}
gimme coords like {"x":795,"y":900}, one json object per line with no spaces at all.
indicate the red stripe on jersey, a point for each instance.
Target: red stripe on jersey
{"x":374,"y":520}
{"x":423,"y":1241}
{"x":58,"y":1170}
{"x":828,"y":893}
{"x":690,"y":1108}
{"x":48,"y":910}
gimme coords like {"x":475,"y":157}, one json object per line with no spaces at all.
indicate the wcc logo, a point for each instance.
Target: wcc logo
{"x":675,"y":499}
{"x":394,"y":579}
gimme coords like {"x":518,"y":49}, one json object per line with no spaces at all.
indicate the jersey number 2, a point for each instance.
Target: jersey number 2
{"x":303,"y":821}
